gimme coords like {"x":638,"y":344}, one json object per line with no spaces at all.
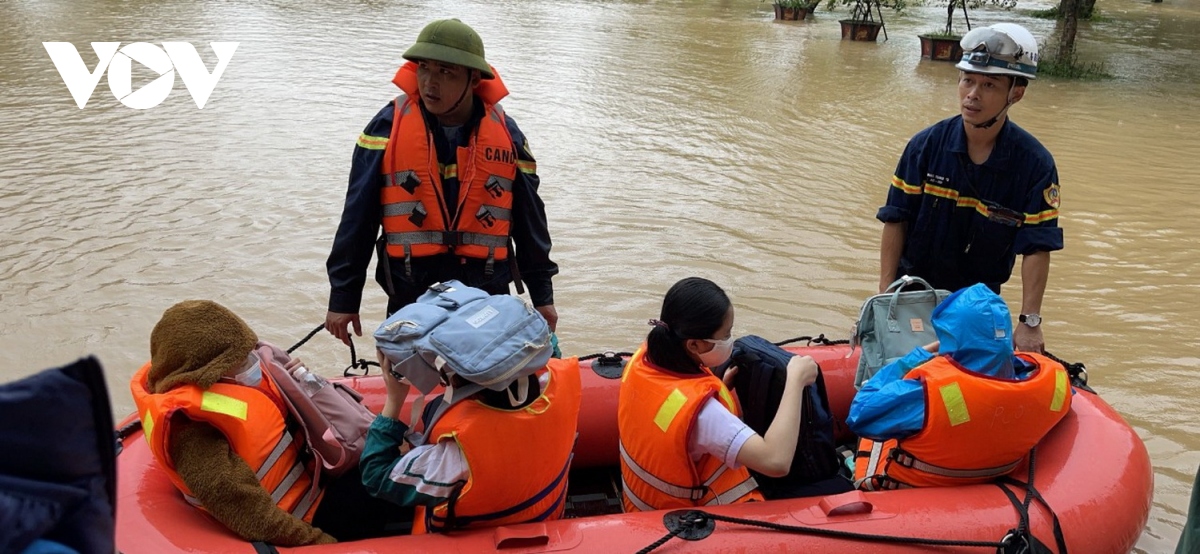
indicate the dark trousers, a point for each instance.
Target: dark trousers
{"x":349,"y":513}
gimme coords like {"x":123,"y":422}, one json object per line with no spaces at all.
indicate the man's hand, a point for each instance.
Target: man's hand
{"x":336,"y":324}
{"x":550,"y":314}
{"x":1029,"y":339}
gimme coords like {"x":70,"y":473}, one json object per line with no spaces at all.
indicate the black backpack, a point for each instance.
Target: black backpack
{"x":762,"y":372}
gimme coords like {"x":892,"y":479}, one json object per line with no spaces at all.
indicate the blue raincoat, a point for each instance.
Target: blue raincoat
{"x":974,"y":328}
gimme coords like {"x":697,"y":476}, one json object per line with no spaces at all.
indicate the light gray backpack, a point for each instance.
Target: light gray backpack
{"x":490,"y":341}
{"x":892,"y":323}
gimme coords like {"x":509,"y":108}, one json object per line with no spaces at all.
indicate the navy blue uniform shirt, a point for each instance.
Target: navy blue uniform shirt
{"x":354,"y":243}
{"x":966,"y":222}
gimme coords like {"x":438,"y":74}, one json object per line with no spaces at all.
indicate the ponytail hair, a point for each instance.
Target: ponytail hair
{"x":694,"y":308}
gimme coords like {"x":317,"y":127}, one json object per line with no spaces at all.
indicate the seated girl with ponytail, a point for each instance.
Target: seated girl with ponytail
{"x":683,"y":443}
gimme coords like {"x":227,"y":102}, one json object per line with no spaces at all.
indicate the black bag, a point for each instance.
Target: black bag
{"x":762,"y":373}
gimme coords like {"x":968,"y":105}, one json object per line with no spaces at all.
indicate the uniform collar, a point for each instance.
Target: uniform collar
{"x":1002,"y":150}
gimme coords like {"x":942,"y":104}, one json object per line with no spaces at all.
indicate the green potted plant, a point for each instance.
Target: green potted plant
{"x":794,"y":10}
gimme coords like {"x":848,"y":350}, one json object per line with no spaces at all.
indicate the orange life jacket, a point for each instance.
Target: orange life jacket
{"x":416,"y":216}
{"x":517,"y":459}
{"x":655,"y":414}
{"x":977,"y":428}
{"x":253,"y":420}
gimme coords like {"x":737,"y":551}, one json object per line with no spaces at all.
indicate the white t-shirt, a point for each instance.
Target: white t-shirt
{"x":718,"y":433}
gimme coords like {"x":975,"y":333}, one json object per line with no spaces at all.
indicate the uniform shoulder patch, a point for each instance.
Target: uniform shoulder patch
{"x":1051,"y":195}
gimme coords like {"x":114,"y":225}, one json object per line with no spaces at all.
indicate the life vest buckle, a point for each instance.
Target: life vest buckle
{"x":451,"y":238}
{"x":417,"y":217}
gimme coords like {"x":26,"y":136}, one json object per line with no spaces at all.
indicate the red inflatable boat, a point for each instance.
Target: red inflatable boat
{"x":1092,"y":470}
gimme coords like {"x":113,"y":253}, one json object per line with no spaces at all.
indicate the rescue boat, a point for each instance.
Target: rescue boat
{"x":1092,"y":471}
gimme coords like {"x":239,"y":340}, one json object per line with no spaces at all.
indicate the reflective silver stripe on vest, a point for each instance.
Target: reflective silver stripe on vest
{"x":716,"y":475}
{"x":907,"y":460}
{"x":480,"y":239}
{"x":284,"y":442}
{"x":731,"y":495}
{"x":633,"y":499}
{"x":873,"y":462}
{"x":284,"y":486}
{"x":502,"y":214}
{"x":686,"y":493}
{"x":395,"y":179}
{"x":399,"y":208}
{"x":495,"y":180}
{"x":435,"y":237}
{"x":306,"y":502}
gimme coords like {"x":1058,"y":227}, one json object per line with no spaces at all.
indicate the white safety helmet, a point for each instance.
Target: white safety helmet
{"x":1001,"y":49}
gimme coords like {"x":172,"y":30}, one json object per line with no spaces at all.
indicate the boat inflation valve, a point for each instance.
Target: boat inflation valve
{"x":691,"y":525}
{"x":609,"y":365}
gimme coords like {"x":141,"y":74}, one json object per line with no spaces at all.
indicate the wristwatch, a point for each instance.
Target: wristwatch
{"x":1032,"y":320}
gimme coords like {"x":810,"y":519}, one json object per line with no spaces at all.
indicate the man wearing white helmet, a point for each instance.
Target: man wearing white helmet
{"x":973,"y":191}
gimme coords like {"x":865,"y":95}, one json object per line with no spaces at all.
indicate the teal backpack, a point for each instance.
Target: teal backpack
{"x":894,"y":322}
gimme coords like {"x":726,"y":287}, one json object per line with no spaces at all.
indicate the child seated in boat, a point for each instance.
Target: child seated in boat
{"x":499,"y":453}
{"x":217,"y":425}
{"x":968,"y":414}
{"x":682,"y":441}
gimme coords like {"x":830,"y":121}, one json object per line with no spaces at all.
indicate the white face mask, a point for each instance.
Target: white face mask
{"x":719,"y":354}
{"x":252,"y":376}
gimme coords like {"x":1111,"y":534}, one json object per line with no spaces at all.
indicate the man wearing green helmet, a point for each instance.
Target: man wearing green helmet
{"x":450,"y":179}
{"x":974,"y":191}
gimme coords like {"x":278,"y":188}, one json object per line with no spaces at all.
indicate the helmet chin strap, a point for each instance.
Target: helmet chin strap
{"x":461,"y":97}
{"x":1008,"y":102}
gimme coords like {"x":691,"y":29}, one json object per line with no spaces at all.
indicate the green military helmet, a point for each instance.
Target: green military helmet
{"x":450,"y":41}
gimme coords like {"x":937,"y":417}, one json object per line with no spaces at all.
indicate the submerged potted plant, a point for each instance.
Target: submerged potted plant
{"x":862,"y":24}
{"x":943,"y":44}
{"x":794,"y":10}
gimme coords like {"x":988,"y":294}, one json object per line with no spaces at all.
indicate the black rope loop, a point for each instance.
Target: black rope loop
{"x":310,"y":335}
{"x":833,"y":533}
{"x":1077,"y":371}
{"x":355,"y":361}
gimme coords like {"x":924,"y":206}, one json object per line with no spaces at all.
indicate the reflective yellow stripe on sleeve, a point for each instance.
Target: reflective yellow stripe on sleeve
{"x":527,"y":166}
{"x":907,"y":188}
{"x":956,"y":405}
{"x":221,"y":404}
{"x":372,"y":143}
{"x":1060,"y":391}
{"x":669,"y":409}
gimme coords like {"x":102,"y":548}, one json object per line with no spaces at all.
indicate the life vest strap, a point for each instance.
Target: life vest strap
{"x":908,"y":460}
{"x":633,"y":499}
{"x":400,"y":208}
{"x":407,"y":180}
{"x":730,"y":496}
{"x":280,"y":447}
{"x":438,"y":522}
{"x":447,"y":238}
{"x":693,"y":494}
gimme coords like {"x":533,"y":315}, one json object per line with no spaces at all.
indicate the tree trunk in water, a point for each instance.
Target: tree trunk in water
{"x":1086,"y":8}
{"x":1069,"y":9}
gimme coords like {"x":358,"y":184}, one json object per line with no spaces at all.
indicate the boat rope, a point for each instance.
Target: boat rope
{"x":1024,"y":531}
{"x":654,"y":545}
{"x":608,"y":354}
{"x":1077,"y":371}
{"x":125,"y":431}
{"x":697,"y":519}
{"x":355,"y":361}
{"x":819,"y":339}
